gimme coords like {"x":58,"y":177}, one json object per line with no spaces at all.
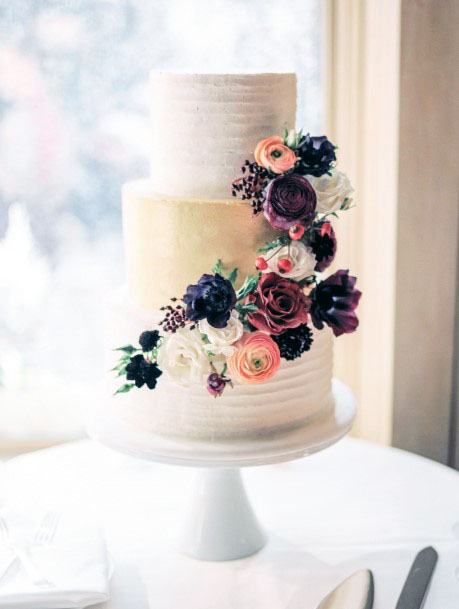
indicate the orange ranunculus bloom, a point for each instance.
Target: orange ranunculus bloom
{"x":271,"y":153}
{"x":256,"y":359}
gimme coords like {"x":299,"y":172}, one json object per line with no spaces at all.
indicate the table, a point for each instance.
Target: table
{"x":318,"y":510}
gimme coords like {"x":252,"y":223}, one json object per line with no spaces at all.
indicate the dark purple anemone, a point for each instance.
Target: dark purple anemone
{"x":212,"y":298}
{"x":317,"y":155}
{"x":142,"y":372}
{"x":289,"y":199}
{"x":334,"y":301}
{"x":323,"y":244}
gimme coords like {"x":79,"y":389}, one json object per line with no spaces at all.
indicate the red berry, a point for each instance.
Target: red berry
{"x":296,"y":232}
{"x":325,"y":229}
{"x":284,"y":265}
{"x":261,"y":263}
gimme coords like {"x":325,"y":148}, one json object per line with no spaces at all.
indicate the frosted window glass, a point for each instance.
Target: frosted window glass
{"x":73,"y":128}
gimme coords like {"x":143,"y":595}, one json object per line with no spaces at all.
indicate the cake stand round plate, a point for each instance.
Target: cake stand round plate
{"x":220,"y":523}
{"x":312,"y":437}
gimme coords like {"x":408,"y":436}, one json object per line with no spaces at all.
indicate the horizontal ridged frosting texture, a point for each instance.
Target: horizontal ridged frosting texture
{"x":204,"y":126}
{"x":300,"y":391}
{"x":171,"y":242}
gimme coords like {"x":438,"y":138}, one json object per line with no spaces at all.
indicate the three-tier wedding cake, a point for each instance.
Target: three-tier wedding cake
{"x":225,"y":294}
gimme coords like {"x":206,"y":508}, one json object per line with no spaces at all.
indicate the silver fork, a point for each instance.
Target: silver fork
{"x":47,"y":530}
{"x":43,"y":536}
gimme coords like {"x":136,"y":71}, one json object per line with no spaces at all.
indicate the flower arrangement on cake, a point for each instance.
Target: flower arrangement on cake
{"x":217,"y":334}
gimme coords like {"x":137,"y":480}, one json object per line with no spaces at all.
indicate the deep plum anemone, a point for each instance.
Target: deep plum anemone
{"x":317,"y":155}
{"x":323,"y":244}
{"x":333,"y":302}
{"x":294,"y":342}
{"x":212,"y":298}
{"x":142,"y":372}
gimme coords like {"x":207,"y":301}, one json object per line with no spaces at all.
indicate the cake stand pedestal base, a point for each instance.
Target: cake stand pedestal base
{"x":220,"y":523}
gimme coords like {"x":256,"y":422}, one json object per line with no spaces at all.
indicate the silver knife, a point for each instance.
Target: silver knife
{"x":415,"y":588}
{"x":356,"y":592}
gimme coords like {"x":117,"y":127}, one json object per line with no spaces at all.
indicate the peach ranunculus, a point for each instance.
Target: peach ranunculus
{"x":271,"y":153}
{"x":256,"y":359}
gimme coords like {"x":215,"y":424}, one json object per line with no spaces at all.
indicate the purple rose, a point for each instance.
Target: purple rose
{"x":290,"y":199}
{"x":334,"y":301}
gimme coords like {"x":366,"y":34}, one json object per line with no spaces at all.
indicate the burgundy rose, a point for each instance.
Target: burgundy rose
{"x":334,"y":301}
{"x":281,"y":304}
{"x":323,"y":245}
{"x":289,"y":199}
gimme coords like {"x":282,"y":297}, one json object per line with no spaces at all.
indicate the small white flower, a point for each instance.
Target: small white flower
{"x":301,"y":256}
{"x":222,"y":339}
{"x":331,"y":191}
{"x":183,"y":358}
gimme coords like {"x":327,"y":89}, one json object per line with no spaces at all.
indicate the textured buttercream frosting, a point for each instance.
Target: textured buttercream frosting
{"x":177,"y":224}
{"x":204,"y":126}
{"x":299,"y":392}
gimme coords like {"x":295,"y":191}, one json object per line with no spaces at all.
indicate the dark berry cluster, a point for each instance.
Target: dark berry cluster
{"x":251,"y":186}
{"x":142,"y":372}
{"x":294,"y":341}
{"x":174,"y":318}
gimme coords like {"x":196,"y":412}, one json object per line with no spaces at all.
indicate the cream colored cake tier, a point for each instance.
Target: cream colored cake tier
{"x":300,"y":391}
{"x":204,"y":126}
{"x":171,"y":242}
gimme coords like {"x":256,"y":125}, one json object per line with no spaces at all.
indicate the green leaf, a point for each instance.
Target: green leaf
{"x":273,"y":244}
{"x":233,"y":275}
{"x":243,"y":309}
{"x":120,"y":367}
{"x":125,"y":388}
{"x":218,"y":267}
{"x":127,"y":349}
{"x":307,"y":281}
{"x":225,"y":368}
{"x":249,"y":285}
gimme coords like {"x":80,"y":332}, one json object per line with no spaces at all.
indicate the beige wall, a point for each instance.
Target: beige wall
{"x":428,"y":196}
{"x":393,"y":77}
{"x":363,"y":120}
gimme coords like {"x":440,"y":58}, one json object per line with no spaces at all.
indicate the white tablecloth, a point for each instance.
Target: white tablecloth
{"x":352,"y":505}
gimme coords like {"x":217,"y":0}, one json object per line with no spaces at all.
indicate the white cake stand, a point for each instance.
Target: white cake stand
{"x":221,"y":524}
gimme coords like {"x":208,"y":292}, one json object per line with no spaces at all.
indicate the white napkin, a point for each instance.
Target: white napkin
{"x":72,"y":565}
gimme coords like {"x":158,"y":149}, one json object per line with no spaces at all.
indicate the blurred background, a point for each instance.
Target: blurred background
{"x":73,"y":128}
{"x":379,"y":77}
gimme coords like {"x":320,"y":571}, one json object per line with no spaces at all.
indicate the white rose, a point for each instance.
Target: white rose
{"x":183,"y":358}
{"x":300,"y":255}
{"x":331,"y":191}
{"x":221,"y":339}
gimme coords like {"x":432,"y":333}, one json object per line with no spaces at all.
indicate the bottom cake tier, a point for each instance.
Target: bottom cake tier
{"x":300,"y":391}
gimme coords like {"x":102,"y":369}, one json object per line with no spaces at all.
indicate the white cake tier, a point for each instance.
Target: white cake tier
{"x":204,"y":126}
{"x":300,"y":391}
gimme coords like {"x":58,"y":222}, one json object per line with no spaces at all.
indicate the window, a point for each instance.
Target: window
{"x":73,"y":128}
